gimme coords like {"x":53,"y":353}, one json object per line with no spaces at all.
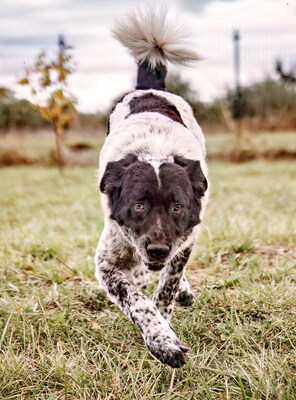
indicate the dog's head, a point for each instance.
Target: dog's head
{"x":157,"y":208}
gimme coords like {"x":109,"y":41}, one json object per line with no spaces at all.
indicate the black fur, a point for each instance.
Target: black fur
{"x":150,"y":102}
{"x":151,"y":78}
{"x":129,"y":180}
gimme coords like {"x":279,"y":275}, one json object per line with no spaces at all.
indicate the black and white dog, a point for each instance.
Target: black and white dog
{"x":154,"y":188}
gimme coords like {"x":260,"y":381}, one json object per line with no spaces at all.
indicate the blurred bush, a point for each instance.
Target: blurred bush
{"x":210,"y":115}
{"x":21,"y":114}
{"x":18,"y":114}
{"x":267,"y":105}
{"x":90,"y":122}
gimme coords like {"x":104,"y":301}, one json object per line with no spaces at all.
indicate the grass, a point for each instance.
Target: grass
{"x":255,"y":141}
{"x":61,"y":338}
{"x":25,"y":148}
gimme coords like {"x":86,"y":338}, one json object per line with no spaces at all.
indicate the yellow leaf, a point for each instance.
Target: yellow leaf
{"x":23,"y":81}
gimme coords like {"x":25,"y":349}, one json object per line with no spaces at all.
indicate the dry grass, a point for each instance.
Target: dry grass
{"x":252,"y":146}
{"x":25,"y":148}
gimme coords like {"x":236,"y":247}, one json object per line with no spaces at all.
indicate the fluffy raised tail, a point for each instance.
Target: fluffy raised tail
{"x":154,"y":39}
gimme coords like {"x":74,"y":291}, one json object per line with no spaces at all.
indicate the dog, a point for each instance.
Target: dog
{"x":153,"y":183}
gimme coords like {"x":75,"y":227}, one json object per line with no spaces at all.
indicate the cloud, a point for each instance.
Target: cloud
{"x":197,"y":5}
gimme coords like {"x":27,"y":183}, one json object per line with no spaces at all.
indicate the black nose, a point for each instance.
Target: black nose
{"x":157,"y":251}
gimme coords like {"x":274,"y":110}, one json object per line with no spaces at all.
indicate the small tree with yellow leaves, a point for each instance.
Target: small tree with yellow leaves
{"x":47,"y":81}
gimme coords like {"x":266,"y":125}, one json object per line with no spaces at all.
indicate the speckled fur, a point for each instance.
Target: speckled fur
{"x":155,"y":138}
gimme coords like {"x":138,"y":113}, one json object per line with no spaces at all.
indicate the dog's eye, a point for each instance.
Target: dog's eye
{"x":138,"y":206}
{"x":178,"y":207}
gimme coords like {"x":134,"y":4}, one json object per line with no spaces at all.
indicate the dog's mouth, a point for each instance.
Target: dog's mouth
{"x":154,"y":267}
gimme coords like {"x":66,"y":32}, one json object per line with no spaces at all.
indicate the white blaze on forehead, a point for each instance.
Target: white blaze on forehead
{"x":156,"y":163}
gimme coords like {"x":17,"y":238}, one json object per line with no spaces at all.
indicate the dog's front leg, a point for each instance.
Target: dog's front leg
{"x":169,"y":284}
{"x":184,"y":296}
{"x":160,"y":339}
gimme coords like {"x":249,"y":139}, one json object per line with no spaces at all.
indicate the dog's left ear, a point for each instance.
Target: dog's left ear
{"x":195,"y":174}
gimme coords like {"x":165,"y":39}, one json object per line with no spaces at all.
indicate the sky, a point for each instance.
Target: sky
{"x":104,"y":69}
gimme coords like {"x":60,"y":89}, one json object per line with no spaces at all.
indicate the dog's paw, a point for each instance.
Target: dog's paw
{"x":185,"y":298}
{"x":169,"y":350}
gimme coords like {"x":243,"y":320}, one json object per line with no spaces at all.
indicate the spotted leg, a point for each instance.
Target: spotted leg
{"x":169,"y":283}
{"x":140,"y":276}
{"x":159,"y":337}
{"x":184,"y":296}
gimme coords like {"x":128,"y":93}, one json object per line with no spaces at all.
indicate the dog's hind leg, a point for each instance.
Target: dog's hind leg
{"x":184,"y":296}
{"x":140,"y":276}
{"x":169,"y":284}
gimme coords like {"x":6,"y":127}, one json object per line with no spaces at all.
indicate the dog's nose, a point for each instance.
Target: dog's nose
{"x":156,"y":251}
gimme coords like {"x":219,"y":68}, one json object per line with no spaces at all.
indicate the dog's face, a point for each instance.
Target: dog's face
{"x":156,"y":209}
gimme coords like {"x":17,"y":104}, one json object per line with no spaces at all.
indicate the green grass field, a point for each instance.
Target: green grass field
{"x":61,"y":338}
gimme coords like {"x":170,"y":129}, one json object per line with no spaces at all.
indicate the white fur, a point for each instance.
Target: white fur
{"x":152,"y":35}
{"x":153,"y":135}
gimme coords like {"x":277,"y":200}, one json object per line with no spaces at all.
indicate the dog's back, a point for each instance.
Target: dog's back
{"x":150,"y":118}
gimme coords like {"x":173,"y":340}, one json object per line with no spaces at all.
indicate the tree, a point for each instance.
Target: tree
{"x":48,"y":80}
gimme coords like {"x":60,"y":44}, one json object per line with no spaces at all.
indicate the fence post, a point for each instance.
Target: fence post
{"x":237,"y":100}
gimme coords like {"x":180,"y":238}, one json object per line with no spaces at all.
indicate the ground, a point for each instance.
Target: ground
{"x":61,"y":338}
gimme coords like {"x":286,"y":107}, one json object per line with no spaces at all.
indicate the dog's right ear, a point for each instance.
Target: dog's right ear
{"x":113,"y":177}
{"x":111,"y":181}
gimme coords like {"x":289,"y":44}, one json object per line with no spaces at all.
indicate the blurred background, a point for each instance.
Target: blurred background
{"x":60,"y":72}
{"x":242,"y":92}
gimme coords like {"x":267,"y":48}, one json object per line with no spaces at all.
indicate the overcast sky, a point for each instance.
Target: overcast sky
{"x":104,"y":69}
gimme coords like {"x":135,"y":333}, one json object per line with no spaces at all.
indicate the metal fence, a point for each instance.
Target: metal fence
{"x":259,"y":49}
